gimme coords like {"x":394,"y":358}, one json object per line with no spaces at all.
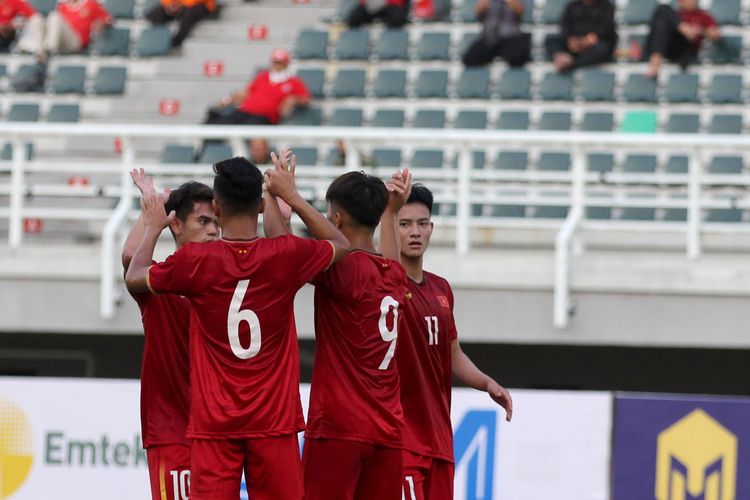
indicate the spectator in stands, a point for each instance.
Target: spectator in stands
{"x":394,"y":13}
{"x":260,"y":151}
{"x":501,"y":34}
{"x":678,"y":35}
{"x":10,"y":12}
{"x":187,"y":12}
{"x":272,"y":95}
{"x":587,"y":35}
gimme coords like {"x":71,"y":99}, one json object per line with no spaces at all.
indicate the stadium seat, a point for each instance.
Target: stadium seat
{"x":110,"y":81}
{"x":513,"y":120}
{"x":29,"y":78}
{"x":427,"y":158}
{"x":112,"y":42}
{"x":727,"y":50}
{"x":393,"y":45}
{"x":466,"y":12}
{"x":311,"y":44}
{"x":514,"y":84}
{"x":346,"y":117}
{"x":434,"y":46}
{"x":154,"y":41}
{"x":23,"y":112}
{"x":215,"y":152}
{"x":639,"y":213}
{"x":313,"y":78}
{"x":553,"y":161}
{"x":444,"y":209}
{"x":512,"y":160}
{"x":470,"y":119}
{"x":550,"y":211}
{"x":63,"y":113}
{"x":725,"y":124}
{"x":639,"y":11}
{"x":724,"y":164}
{"x":335,"y":158}
{"x":638,"y":88}
{"x":44,"y":6}
{"x":508,"y":211}
{"x":307,"y":117}
{"x":474,"y":83}
{"x":603,"y":208}
{"x":600,"y":162}
{"x":677,"y":164}
{"x":177,"y":153}
{"x":466,"y":41}
{"x":120,"y":9}
{"x":477,"y":160}
{"x":597,"y":121}
{"x":725,"y":89}
{"x":552,"y":11}
{"x":683,"y":123}
{"x":429,"y":118}
{"x":724,"y":215}
{"x":69,"y":80}
{"x":726,"y":12}
{"x":390,"y":83}
{"x":432,"y":83}
{"x":6,"y":154}
{"x":3,"y":70}
{"x":555,"y":121}
{"x":675,"y":214}
{"x":682,"y":87}
{"x":388,"y":118}
{"x":349,"y":83}
{"x":345,"y":9}
{"x":556,"y":87}
{"x":306,"y":155}
{"x":639,"y":163}
{"x":352,"y":45}
{"x":385,"y":157}
{"x":597,"y":85}
{"x":637,"y":121}
{"x":442,"y":11}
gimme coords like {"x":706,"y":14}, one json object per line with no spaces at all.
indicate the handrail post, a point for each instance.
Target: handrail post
{"x":352,"y":160}
{"x":463,"y":205}
{"x":15,"y":224}
{"x":694,"y":206}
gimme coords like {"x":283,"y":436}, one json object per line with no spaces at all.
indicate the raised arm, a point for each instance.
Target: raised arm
{"x":145,"y":184}
{"x":276,"y":217}
{"x":399,"y":188}
{"x":467,"y":372}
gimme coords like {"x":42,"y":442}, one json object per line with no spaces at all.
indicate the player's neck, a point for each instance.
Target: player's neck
{"x":413,"y":266}
{"x":239,"y":227}
{"x":360,"y":240}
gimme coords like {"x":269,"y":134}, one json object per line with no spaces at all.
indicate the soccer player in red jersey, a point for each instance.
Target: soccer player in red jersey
{"x":164,"y":370}
{"x":428,"y":354}
{"x":353,"y":438}
{"x":245,"y":408}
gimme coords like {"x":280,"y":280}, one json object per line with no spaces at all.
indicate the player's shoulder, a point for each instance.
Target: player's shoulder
{"x":437,"y":281}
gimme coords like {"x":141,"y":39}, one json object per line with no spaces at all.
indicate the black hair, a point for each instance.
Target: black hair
{"x":362,"y":196}
{"x":183,"y":199}
{"x":420,"y":194}
{"x":238,"y":185}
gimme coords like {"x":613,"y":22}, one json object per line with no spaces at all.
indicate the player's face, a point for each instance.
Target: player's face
{"x":415,"y":229}
{"x":200,"y":226}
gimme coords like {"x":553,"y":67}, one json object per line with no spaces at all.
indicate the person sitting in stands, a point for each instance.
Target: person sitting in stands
{"x":394,"y":13}
{"x":10,"y":13}
{"x":501,"y":34}
{"x":587,"y":35}
{"x":187,"y":12}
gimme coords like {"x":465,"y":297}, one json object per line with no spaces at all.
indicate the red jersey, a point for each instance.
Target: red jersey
{"x":355,"y":388}
{"x":700,"y":18}
{"x":244,"y":358}
{"x":265,"y":97}
{"x":424,"y":365}
{"x":165,"y":371}
{"x":81,"y":15}
{"x":10,"y":9}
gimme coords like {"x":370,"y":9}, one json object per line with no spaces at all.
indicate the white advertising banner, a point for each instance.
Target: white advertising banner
{"x":73,"y":439}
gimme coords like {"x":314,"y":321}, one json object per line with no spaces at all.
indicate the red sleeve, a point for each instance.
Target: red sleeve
{"x":452,"y":330}
{"x":256,"y":82}
{"x":300,"y":88}
{"x":309,"y":257}
{"x":101,"y":13}
{"x":173,"y":275}
{"x":708,"y":20}
{"x":25,"y":9}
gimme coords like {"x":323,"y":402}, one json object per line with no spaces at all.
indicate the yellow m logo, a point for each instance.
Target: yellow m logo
{"x":696,"y":458}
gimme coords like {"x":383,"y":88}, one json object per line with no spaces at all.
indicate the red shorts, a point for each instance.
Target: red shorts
{"x":336,"y":469}
{"x":271,"y":465}
{"x":427,"y":478}
{"x":169,"y":471}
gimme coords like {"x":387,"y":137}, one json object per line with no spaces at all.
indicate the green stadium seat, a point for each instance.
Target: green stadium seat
{"x":725,"y":89}
{"x":682,"y":87}
{"x":683,"y":123}
{"x":110,"y":81}
{"x":429,"y":118}
{"x":434,"y":46}
{"x":154,"y":41}
{"x":349,"y":83}
{"x":44,"y":7}
{"x":597,"y":85}
{"x":313,"y":78}
{"x":600,"y":162}
{"x":552,"y":11}
{"x":512,"y":160}
{"x":513,"y":120}
{"x":639,"y":163}
{"x":393,"y":45}
{"x":311,"y":44}
{"x":352,"y":45}
{"x":637,"y":121}
{"x":726,"y":12}
{"x":386,"y":157}
{"x":474,"y":83}
{"x":305,"y":117}
{"x":432,"y":83}
{"x":597,"y":121}
{"x":677,"y":164}
{"x":23,"y":112}
{"x":638,"y":88}
{"x":553,"y":161}
{"x":63,"y":113}
{"x":555,"y":121}
{"x":392,"y":118}
{"x":306,"y":155}
{"x":466,"y":12}
{"x":556,"y":87}
{"x":346,"y":117}
{"x":112,"y":42}
{"x":725,"y":164}
{"x":639,"y":11}
{"x":215,"y":152}
{"x":470,"y":119}
{"x":427,"y":158}
{"x":177,"y":153}
{"x":726,"y":50}
{"x":725,"y":124}
{"x":69,"y":80}
{"x":120,"y":9}
{"x":514,"y":84}
{"x":390,"y":83}
{"x":29,"y":78}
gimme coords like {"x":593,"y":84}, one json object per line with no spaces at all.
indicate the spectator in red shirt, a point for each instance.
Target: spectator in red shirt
{"x":678,"y":34}
{"x":10,"y":11}
{"x":395,"y":13}
{"x":188,"y":12}
{"x":272,"y":95}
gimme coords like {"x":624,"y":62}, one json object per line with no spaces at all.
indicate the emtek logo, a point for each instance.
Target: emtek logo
{"x":696,"y":458}
{"x":16,"y":455}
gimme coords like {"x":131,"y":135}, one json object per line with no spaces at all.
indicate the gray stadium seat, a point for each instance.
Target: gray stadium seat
{"x":429,"y":118}
{"x":600,"y":162}
{"x":727,"y":50}
{"x":392,"y":45}
{"x":113,"y":42}
{"x":311,"y":44}
{"x":730,"y":215}
{"x":444,"y":209}
{"x":514,"y":84}
{"x":349,"y":83}
{"x":154,"y":41}
{"x":466,"y":41}
{"x":44,"y":6}
{"x":313,"y":78}
{"x":556,"y":87}
{"x":3,"y":70}
{"x":110,"y":81}
{"x":639,"y":11}
{"x":512,"y":160}
{"x":63,"y":113}
{"x":177,"y":153}
{"x":386,"y":157}
{"x":434,"y":46}
{"x":390,"y":83}
{"x":603,"y":208}
{"x":215,"y":152}
{"x":471,"y":119}
{"x":597,"y":121}
{"x":345,"y":8}
{"x":474,"y":83}
{"x":550,"y":211}
{"x":725,"y":89}
{"x":427,"y":158}
{"x":346,"y":117}
{"x":553,"y":161}
{"x":23,"y":112}
{"x":352,"y":45}
{"x":308,"y":117}
{"x":725,"y":124}
{"x":29,"y":78}
{"x":638,"y":213}
{"x":726,"y":11}
{"x":682,"y":87}
{"x":120,"y":9}
{"x":477,"y":160}
{"x":677,"y":164}
{"x":6,"y":154}
{"x":306,"y":155}
{"x":638,"y":88}
{"x":509,"y":211}
{"x":466,"y":12}
{"x":683,"y":123}
{"x":432,"y":83}
{"x":639,"y":163}
{"x":393,"y":118}
{"x":597,"y":85}
{"x":513,"y":120}
{"x":555,"y":121}
{"x":552,"y":11}
{"x":69,"y":80}
{"x":724,"y":164}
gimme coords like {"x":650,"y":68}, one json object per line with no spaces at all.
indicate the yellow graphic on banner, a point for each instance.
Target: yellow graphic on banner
{"x":696,"y":456}
{"x":16,"y":454}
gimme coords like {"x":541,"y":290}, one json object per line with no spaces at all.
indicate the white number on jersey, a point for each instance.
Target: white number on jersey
{"x":432,"y":330}
{"x":387,"y":335}
{"x":180,"y":484}
{"x":236,"y":317}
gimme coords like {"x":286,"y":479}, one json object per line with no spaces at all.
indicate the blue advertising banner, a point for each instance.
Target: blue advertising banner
{"x":681,"y":448}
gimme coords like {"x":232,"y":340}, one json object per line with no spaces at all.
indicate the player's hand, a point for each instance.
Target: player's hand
{"x":502,"y":397}
{"x":280,"y":179}
{"x":399,"y":189}
{"x":154,"y":216}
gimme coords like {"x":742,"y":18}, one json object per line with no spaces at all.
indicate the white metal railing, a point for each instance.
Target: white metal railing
{"x":465,"y":179}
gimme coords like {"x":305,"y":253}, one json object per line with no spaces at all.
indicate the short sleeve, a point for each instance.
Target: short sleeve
{"x":452,"y":330}
{"x":309,"y":257}
{"x":300,"y":88}
{"x":171,"y":276}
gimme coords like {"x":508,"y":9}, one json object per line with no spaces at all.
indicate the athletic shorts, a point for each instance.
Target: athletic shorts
{"x":169,"y":471}
{"x":427,"y":478}
{"x":271,"y":465}
{"x":336,"y":469}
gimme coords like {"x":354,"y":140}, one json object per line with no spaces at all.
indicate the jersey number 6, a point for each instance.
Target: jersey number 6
{"x":387,"y":335}
{"x":235,"y":317}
